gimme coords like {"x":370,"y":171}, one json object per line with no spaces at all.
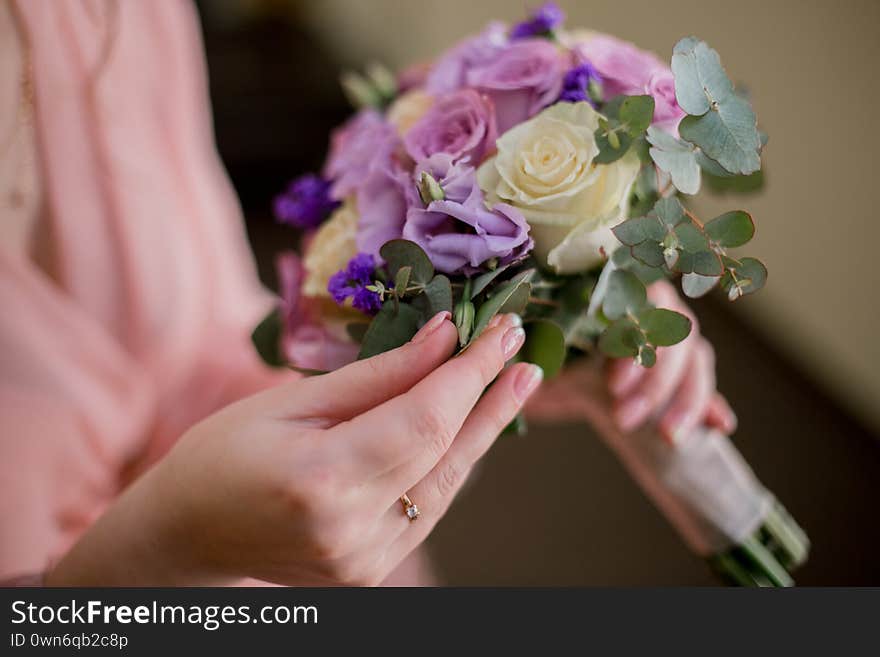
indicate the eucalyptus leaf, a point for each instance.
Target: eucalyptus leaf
{"x":625,"y":294}
{"x":403,"y":253}
{"x":749,"y":271}
{"x":700,"y":80}
{"x":636,"y":113}
{"x":545,"y":346}
{"x":677,"y":158}
{"x":266,"y":338}
{"x":696,"y":285}
{"x":670,"y":211}
{"x":649,"y":253}
{"x":731,"y":229}
{"x":357,"y":330}
{"x":635,"y":231}
{"x":705,"y":263}
{"x":483,"y":280}
{"x":691,"y":238}
{"x":613,"y":142}
{"x":511,"y":297}
{"x":664,"y":327}
{"x":401,"y":280}
{"x":624,"y":259}
{"x":394,"y":325}
{"x":621,"y":338}
{"x":434,"y":298}
{"x":728,"y":134}
{"x":647,"y":356}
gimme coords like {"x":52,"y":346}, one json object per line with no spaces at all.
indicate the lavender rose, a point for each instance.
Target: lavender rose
{"x":450,"y":71}
{"x":461,"y":124}
{"x":353,"y":147}
{"x":521,"y":80}
{"x":459,"y":233}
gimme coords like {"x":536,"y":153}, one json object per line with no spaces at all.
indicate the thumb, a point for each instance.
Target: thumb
{"x":354,"y":389}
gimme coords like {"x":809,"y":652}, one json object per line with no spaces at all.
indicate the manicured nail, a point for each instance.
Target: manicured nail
{"x":512,"y":341}
{"x":430,"y":326}
{"x":632,"y":412}
{"x":527,"y":380}
{"x":512,"y":320}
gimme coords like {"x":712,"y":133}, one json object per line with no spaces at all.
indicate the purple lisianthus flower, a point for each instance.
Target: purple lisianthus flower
{"x":352,"y":282}
{"x":353,"y":147}
{"x":521,"y":80}
{"x":305,"y":203}
{"x":459,"y":233}
{"x":460,"y":123}
{"x":577,"y":81}
{"x":382,"y":201}
{"x":543,"y":21}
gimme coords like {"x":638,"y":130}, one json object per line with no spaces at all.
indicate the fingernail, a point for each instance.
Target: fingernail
{"x":430,"y":326}
{"x":527,"y":380}
{"x":512,"y":320}
{"x":512,"y":341}
{"x":632,"y":412}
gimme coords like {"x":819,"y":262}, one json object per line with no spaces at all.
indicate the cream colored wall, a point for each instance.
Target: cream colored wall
{"x":814,"y":71}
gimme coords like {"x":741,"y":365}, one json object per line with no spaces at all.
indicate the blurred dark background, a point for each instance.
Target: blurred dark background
{"x":553,"y":508}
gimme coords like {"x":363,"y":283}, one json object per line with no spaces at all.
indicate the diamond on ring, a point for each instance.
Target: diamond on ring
{"x":409,"y":508}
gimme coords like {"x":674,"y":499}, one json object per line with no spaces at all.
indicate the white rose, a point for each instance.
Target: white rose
{"x":545,"y":168}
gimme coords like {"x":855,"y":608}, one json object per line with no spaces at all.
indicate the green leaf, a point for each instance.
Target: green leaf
{"x":401,"y":280}
{"x":394,"y":326}
{"x":721,"y":123}
{"x":700,"y":80}
{"x":511,"y":297}
{"x":731,"y":229}
{"x":754,"y":182}
{"x":696,"y":285}
{"x":483,"y":280}
{"x":266,"y":338}
{"x":357,"y":330}
{"x":647,"y":356}
{"x":464,"y":320}
{"x":403,"y":253}
{"x":649,"y":253}
{"x":623,"y":259}
{"x":612,"y":140}
{"x":545,"y":346}
{"x":664,"y":327}
{"x":625,"y":294}
{"x":677,"y":158}
{"x":691,"y":238}
{"x":670,"y":211}
{"x":728,"y":134}
{"x":750,"y":273}
{"x":635,"y":231}
{"x":434,"y":298}
{"x":636,"y":113}
{"x":705,"y":263}
{"x":622,"y":338}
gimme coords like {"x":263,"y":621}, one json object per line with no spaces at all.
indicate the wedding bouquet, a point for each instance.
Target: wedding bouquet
{"x":546,"y":172}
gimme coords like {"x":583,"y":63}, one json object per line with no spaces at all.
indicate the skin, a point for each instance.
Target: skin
{"x":678,"y":393}
{"x":299,"y":485}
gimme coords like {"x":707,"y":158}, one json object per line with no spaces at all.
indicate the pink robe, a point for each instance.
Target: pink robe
{"x":142,"y":328}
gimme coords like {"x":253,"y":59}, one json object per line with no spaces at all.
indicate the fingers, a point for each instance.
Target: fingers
{"x":623,"y":375}
{"x":656,"y":388}
{"x":720,"y":415}
{"x":364,"y":384}
{"x":434,"y":493}
{"x":691,"y":401}
{"x":423,"y":422}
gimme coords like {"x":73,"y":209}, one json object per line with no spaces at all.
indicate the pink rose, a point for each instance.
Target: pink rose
{"x":460,"y":124}
{"x":305,"y":342}
{"x":626,"y":69}
{"x":521,"y":80}
{"x":450,"y":70}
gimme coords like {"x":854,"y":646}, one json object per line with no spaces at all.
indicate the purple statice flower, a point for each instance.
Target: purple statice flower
{"x":353,"y":281}
{"x":576,"y":84}
{"x":543,"y":21}
{"x":305,"y":203}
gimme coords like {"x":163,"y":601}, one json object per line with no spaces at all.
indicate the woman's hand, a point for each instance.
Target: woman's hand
{"x":301,"y":484}
{"x":678,"y":392}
